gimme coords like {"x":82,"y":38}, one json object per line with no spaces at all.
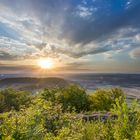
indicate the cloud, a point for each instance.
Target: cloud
{"x":135,"y":53}
{"x":84,"y":12}
{"x":18,"y":69}
{"x":6,"y":56}
{"x":14,"y":48}
{"x":73,"y":28}
{"x":85,"y":31}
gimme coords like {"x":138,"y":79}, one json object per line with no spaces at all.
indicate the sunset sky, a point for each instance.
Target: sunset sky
{"x":77,"y":35}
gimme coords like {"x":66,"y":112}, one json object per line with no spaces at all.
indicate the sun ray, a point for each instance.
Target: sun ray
{"x":46,"y":63}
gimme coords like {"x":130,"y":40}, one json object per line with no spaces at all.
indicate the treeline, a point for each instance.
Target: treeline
{"x":71,"y":98}
{"x":53,"y":114}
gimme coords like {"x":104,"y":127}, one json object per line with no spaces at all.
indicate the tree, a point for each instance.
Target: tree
{"x":103,"y":99}
{"x":71,"y":97}
{"x":11,"y":98}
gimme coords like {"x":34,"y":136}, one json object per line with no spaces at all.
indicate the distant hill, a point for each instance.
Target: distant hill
{"x":33,"y":84}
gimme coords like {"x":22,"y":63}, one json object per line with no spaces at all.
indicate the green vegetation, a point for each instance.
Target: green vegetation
{"x":71,"y":98}
{"x":55,"y":114}
{"x":103,"y":100}
{"x":10,"y":98}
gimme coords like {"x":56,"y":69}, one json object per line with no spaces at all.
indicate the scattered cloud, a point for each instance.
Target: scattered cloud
{"x":84,"y":12}
{"x":72,"y":29}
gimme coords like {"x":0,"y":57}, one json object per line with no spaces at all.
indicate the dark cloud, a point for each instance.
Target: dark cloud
{"x":18,"y":69}
{"x":7,"y":56}
{"x":12,"y":57}
{"x":78,"y":54}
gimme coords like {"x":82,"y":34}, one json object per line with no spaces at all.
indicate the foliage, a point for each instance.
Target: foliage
{"x":74,"y":97}
{"x":97,"y":130}
{"x":35,"y":123}
{"x":22,"y":125}
{"x":103,"y":99}
{"x":128,"y":120}
{"x":125,"y":127}
{"x":45,"y":118}
{"x":10,"y":98}
{"x":50,"y":94}
{"x":71,"y":97}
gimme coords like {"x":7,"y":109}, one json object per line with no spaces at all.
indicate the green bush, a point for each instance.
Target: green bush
{"x":40,"y":121}
{"x":75,"y":98}
{"x":50,"y":94}
{"x":103,"y":99}
{"x":128,"y":120}
{"x":71,"y":97}
{"x":125,"y":127}
{"x":10,"y":98}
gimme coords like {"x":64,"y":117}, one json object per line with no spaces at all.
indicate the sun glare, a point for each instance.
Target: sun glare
{"x":45,"y":63}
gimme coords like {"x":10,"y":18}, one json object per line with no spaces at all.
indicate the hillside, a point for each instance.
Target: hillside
{"x":33,"y":84}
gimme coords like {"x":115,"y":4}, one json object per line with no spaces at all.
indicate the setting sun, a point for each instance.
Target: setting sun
{"x":45,"y":63}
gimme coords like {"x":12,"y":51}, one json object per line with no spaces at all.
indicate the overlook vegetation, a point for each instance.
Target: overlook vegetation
{"x":56,"y":114}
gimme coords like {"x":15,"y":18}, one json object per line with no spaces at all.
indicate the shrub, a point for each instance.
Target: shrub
{"x":10,"y":98}
{"x":50,"y":94}
{"x":125,"y":127}
{"x":40,"y":121}
{"x":128,"y":120}
{"x":103,"y":99}
{"x":71,"y":97}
